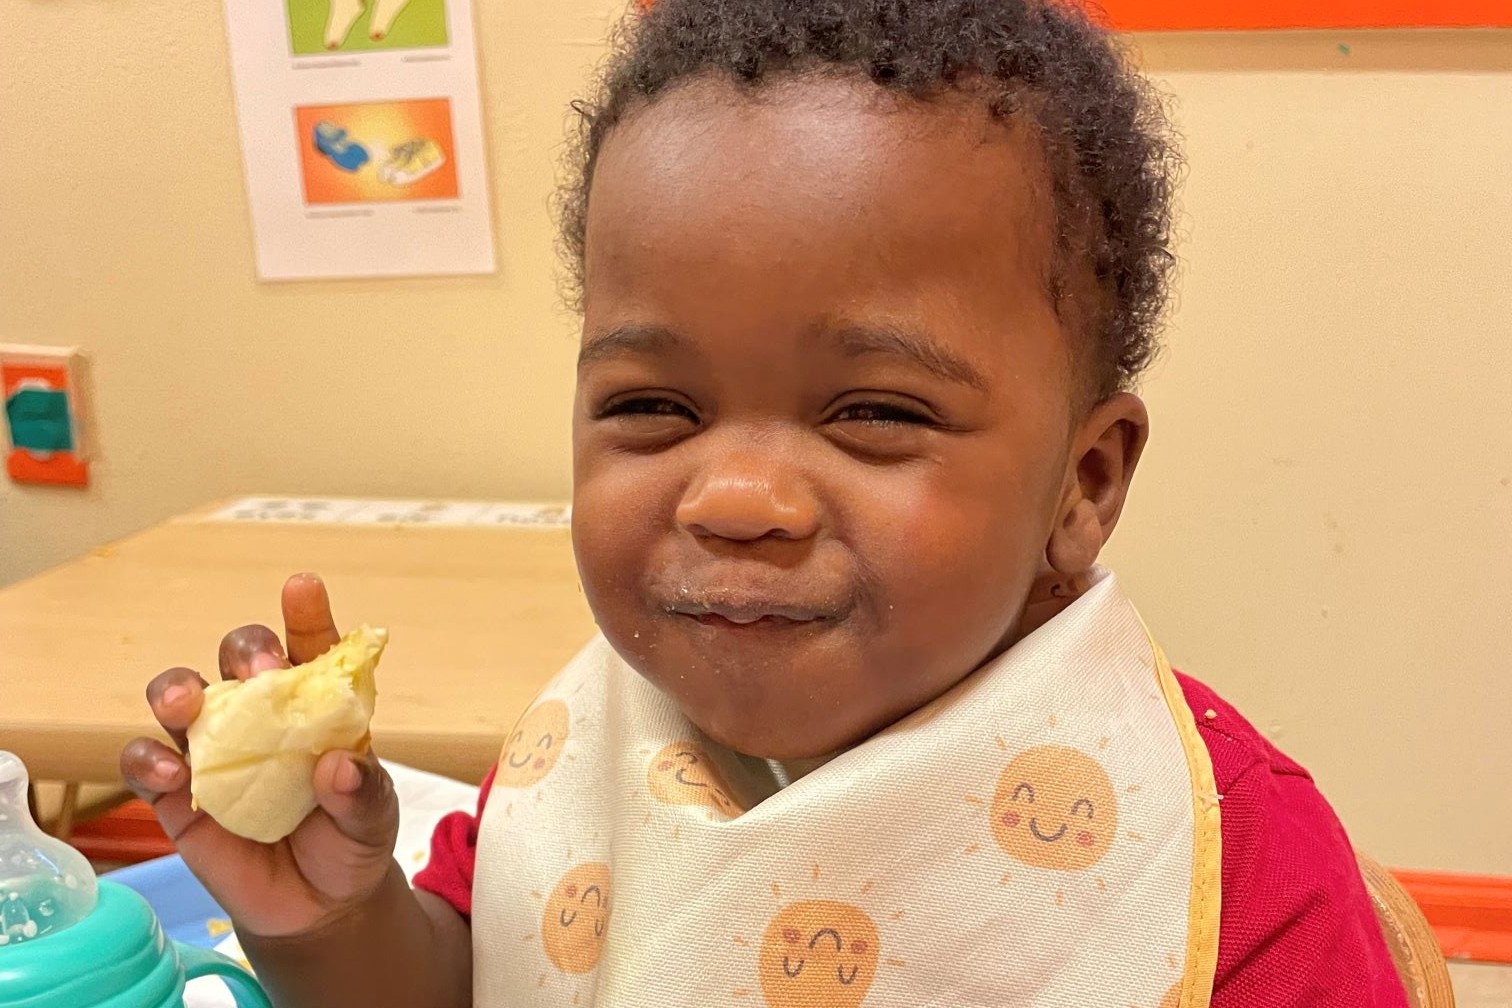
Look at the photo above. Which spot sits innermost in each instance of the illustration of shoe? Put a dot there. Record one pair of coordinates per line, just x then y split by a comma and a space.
339, 20
344, 152
411, 161
384, 13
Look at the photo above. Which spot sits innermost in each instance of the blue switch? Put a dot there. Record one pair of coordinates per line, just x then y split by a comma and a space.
38, 420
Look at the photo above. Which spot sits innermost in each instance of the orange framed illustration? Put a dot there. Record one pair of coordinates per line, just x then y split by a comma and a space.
1240, 15
375, 152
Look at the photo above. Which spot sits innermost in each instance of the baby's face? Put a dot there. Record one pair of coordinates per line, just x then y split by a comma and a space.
822, 431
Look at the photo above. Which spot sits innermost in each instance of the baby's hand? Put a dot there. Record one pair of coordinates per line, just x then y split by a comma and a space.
336, 857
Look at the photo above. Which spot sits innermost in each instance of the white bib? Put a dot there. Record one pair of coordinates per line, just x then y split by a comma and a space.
1045, 834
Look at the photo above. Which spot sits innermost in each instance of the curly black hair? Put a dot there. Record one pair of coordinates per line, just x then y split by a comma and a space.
1108, 146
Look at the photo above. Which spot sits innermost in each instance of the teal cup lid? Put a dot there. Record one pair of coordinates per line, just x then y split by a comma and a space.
117, 957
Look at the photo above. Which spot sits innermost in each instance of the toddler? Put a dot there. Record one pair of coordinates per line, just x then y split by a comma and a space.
866, 287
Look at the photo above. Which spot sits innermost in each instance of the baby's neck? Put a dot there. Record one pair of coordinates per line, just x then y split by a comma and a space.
785, 772
1047, 600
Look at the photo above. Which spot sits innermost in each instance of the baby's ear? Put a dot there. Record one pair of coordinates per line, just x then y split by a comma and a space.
1106, 450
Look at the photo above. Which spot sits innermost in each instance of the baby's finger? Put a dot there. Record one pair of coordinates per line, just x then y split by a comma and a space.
308, 623
151, 769
358, 795
248, 650
158, 776
175, 697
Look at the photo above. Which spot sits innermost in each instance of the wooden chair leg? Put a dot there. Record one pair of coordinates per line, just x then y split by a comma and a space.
62, 827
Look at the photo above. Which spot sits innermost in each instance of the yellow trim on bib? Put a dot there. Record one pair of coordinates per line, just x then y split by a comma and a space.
1207, 843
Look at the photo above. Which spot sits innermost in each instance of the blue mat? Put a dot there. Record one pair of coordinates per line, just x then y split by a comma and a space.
186, 911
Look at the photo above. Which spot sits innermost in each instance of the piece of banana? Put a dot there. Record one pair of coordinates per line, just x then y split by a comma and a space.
254, 746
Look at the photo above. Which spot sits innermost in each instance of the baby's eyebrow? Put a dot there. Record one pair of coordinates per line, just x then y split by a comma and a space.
921, 349
626, 339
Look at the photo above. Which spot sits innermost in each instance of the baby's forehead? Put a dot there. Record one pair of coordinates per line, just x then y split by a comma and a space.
844, 142
826, 201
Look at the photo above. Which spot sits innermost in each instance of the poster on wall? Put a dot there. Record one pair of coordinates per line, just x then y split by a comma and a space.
362, 137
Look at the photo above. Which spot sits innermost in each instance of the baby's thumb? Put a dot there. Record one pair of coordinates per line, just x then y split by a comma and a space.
358, 795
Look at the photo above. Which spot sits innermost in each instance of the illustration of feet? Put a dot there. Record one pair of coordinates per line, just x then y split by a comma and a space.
339, 20
384, 13
411, 161
344, 152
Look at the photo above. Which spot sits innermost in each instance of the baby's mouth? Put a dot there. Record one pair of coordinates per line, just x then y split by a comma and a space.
754, 613
743, 613
749, 599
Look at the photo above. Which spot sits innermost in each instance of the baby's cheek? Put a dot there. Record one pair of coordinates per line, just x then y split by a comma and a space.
951, 593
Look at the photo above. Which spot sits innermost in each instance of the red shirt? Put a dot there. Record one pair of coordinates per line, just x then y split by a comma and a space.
1297, 929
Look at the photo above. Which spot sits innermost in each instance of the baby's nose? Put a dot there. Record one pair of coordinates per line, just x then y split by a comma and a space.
742, 501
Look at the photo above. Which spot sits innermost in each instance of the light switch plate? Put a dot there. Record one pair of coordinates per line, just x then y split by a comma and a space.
42, 389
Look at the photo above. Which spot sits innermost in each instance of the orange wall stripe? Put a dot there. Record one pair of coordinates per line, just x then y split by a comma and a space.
1470, 914
1211, 15
1240, 15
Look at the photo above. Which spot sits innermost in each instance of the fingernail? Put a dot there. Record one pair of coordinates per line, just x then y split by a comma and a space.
173, 695
166, 768
265, 662
348, 777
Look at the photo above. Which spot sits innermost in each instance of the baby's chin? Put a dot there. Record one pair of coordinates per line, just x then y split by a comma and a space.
781, 696
782, 747
780, 730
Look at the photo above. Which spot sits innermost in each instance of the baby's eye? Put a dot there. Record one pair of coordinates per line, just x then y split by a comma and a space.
646, 406
882, 414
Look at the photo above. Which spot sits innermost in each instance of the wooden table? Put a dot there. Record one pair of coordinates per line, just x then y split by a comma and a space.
479, 617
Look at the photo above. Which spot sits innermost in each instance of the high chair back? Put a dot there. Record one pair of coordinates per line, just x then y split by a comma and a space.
1414, 949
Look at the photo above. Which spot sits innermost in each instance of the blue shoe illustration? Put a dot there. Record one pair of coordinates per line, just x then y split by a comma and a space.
344, 152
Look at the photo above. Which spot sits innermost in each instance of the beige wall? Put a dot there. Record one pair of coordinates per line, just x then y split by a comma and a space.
1323, 528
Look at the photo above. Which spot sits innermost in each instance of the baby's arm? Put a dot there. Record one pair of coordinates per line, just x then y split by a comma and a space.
400, 947
1297, 927
324, 913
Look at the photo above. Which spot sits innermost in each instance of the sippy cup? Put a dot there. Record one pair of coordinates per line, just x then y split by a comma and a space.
68, 941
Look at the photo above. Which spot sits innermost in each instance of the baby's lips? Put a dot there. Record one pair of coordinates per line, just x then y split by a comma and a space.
745, 590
